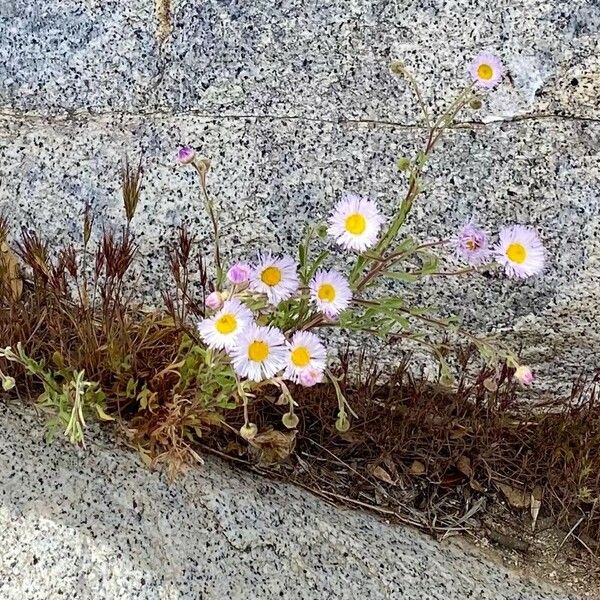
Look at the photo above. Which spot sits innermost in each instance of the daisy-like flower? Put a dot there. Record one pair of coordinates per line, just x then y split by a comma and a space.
275, 277
186, 155
472, 244
305, 353
355, 222
259, 353
486, 70
222, 329
331, 292
520, 251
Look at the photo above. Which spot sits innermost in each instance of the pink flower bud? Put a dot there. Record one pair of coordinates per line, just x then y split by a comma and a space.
524, 375
214, 300
239, 273
186, 155
310, 377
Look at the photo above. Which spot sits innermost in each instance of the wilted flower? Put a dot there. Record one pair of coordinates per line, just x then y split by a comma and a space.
259, 353
186, 155
305, 353
275, 277
486, 70
472, 244
355, 223
524, 375
520, 251
239, 273
331, 292
222, 329
214, 300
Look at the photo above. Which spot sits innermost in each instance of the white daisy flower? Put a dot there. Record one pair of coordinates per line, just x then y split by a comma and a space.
305, 353
331, 292
486, 70
221, 330
355, 222
520, 251
259, 353
275, 277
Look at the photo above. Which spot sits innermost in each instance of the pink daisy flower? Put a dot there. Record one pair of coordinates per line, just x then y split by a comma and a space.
472, 244
486, 70
520, 251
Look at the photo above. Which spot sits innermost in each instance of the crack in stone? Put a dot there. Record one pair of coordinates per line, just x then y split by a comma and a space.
90, 115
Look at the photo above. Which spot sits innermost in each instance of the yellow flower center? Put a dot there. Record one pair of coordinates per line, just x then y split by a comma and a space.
516, 253
258, 351
226, 324
471, 245
271, 276
356, 224
300, 356
484, 71
326, 292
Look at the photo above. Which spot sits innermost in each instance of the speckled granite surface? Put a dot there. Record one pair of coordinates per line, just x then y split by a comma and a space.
294, 103
96, 524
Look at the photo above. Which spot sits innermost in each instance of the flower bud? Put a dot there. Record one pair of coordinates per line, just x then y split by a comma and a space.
8, 383
342, 423
214, 300
186, 155
248, 431
310, 377
239, 273
524, 375
290, 420
476, 104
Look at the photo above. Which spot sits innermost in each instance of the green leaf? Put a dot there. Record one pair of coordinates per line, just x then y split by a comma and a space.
401, 276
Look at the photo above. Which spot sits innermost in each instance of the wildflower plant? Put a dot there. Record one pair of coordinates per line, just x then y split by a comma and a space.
228, 334
268, 316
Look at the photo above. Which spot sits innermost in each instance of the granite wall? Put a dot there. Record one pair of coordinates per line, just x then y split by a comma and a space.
294, 102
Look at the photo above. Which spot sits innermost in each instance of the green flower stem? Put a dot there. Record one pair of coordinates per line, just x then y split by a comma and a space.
202, 170
414, 187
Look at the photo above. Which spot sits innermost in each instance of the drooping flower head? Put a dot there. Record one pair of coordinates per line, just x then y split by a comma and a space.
275, 277
214, 300
259, 353
239, 273
186, 155
486, 70
310, 377
355, 223
222, 329
524, 375
472, 244
520, 251
331, 293
305, 353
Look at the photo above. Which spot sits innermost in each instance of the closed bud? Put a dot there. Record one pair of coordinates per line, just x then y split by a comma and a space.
524, 375
342, 424
249, 431
214, 300
476, 103
8, 383
290, 420
186, 155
